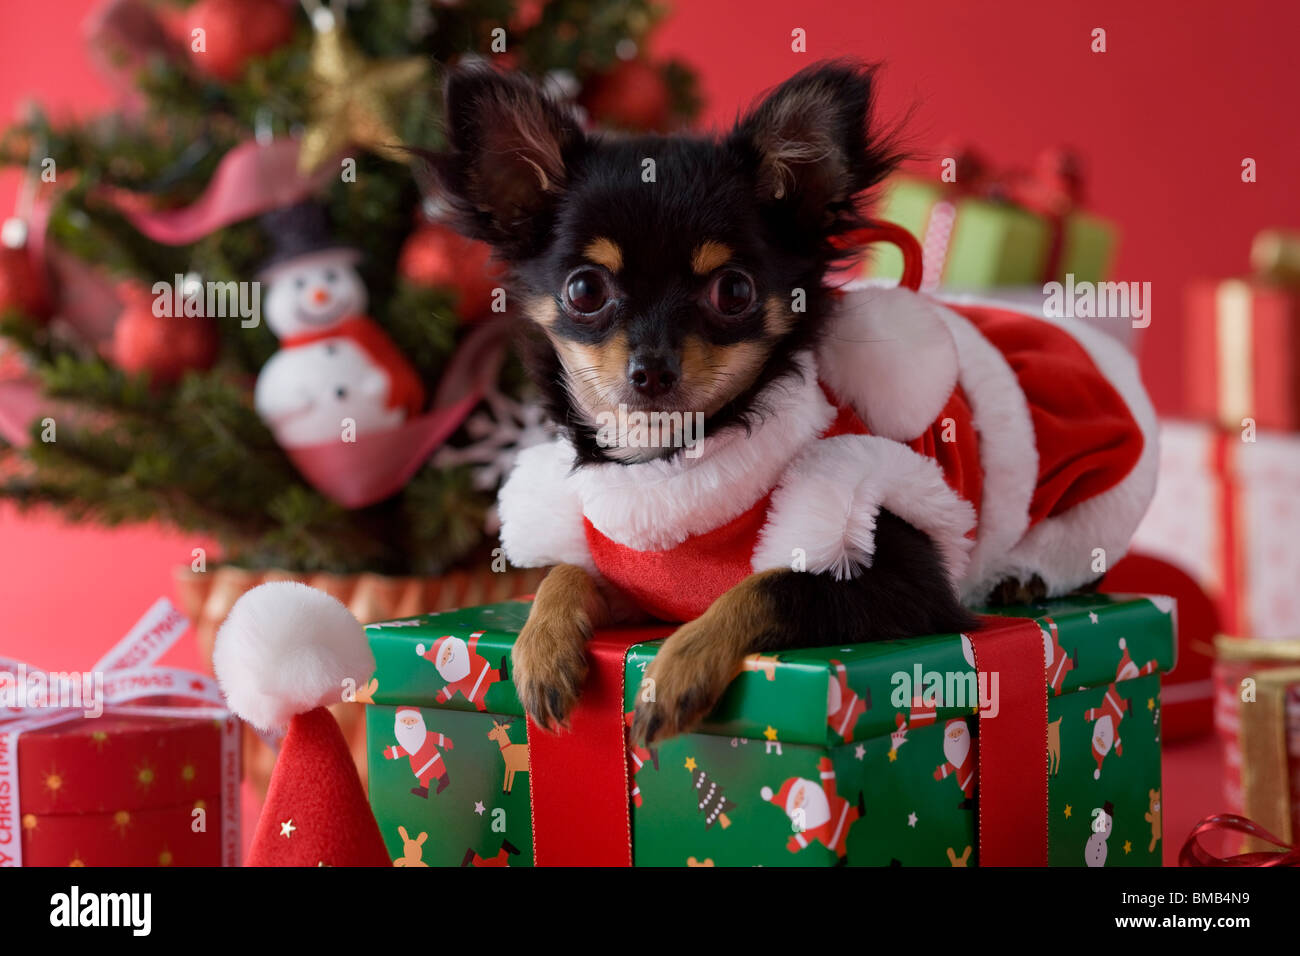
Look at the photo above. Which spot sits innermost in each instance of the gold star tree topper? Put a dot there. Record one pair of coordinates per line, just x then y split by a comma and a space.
352, 96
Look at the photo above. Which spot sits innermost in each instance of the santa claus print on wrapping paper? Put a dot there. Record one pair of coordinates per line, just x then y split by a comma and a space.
421, 746
1105, 729
1113, 708
636, 759
843, 705
817, 812
961, 758
335, 365
1058, 663
466, 671
502, 857
925, 706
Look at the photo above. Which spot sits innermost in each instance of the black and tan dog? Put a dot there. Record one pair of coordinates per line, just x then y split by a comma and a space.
680, 281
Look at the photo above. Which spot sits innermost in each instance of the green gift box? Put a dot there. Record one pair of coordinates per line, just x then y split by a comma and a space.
975, 242
864, 754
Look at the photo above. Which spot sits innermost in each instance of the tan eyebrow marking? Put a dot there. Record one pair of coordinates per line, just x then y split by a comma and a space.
708, 256
605, 252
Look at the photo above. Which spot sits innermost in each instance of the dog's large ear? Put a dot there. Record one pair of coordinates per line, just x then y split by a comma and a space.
812, 145
509, 150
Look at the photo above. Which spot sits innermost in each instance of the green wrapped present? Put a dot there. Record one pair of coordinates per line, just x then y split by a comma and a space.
980, 234
866, 754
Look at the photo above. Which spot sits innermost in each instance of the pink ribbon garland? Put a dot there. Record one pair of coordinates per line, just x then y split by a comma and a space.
128, 678
250, 179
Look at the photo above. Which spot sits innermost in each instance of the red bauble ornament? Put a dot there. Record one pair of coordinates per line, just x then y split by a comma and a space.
631, 96
234, 32
21, 286
166, 346
437, 256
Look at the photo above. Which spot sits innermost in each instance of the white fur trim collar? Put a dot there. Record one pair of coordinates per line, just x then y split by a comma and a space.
656, 505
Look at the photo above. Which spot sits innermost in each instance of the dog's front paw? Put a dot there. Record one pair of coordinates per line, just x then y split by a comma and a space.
682, 685
549, 666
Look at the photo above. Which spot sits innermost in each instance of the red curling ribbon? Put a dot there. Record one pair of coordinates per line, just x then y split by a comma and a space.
888, 232
1194, 854
577, 778
1013, 771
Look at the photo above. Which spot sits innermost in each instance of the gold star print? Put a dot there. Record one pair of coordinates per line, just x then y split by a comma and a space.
770, 733
1128, 846
76, 860
1151, 703
352, 96
893, 755
165, 857
690, 764
144, 777
188, 773
53, 781
1067, 811
29, 822
121, 821
99, 738
287, 828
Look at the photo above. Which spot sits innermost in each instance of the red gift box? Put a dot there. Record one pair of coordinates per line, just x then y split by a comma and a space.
128, 764
1243, 353
122, 790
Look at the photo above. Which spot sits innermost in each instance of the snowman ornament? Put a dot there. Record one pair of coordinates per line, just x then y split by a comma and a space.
337, 374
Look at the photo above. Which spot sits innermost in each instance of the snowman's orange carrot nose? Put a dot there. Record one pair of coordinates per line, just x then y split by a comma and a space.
320, 296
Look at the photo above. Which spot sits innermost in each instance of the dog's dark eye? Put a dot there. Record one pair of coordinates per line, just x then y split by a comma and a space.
731, 293
585, 293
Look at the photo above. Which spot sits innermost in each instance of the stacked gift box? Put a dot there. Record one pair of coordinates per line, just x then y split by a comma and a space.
980, 229
867, 754
1227, 510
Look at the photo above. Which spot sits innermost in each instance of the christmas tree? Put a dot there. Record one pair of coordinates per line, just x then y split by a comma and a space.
252, 130
713, 803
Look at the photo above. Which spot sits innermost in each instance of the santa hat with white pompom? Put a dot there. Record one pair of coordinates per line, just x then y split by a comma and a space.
284, 653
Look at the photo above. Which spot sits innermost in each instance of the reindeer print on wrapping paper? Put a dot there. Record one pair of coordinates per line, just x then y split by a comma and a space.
515, 755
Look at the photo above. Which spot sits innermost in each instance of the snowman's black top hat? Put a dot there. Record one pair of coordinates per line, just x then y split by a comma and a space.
299, 230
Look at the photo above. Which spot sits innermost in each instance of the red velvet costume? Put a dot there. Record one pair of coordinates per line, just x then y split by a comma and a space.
1019, 444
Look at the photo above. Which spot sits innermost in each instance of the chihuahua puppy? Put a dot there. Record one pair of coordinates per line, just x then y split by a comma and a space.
676, 286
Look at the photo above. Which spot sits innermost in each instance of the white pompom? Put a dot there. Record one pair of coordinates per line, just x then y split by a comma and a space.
1122, 644
285, 649
766, 793
419, 650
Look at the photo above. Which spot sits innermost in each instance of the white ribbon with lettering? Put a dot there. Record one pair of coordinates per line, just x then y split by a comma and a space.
128, 676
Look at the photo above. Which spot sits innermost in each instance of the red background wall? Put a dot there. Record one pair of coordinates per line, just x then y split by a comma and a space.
1164, 118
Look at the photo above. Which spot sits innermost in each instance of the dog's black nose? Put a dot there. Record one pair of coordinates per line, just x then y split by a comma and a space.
653, 375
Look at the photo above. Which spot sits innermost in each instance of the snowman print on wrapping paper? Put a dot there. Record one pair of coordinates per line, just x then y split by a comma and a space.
335, 368
1097, 847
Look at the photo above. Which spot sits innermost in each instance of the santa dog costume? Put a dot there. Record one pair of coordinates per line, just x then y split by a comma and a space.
1020, 444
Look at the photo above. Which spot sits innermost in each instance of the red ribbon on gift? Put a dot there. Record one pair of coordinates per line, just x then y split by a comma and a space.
1194, 854
578, 780
1012, 755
